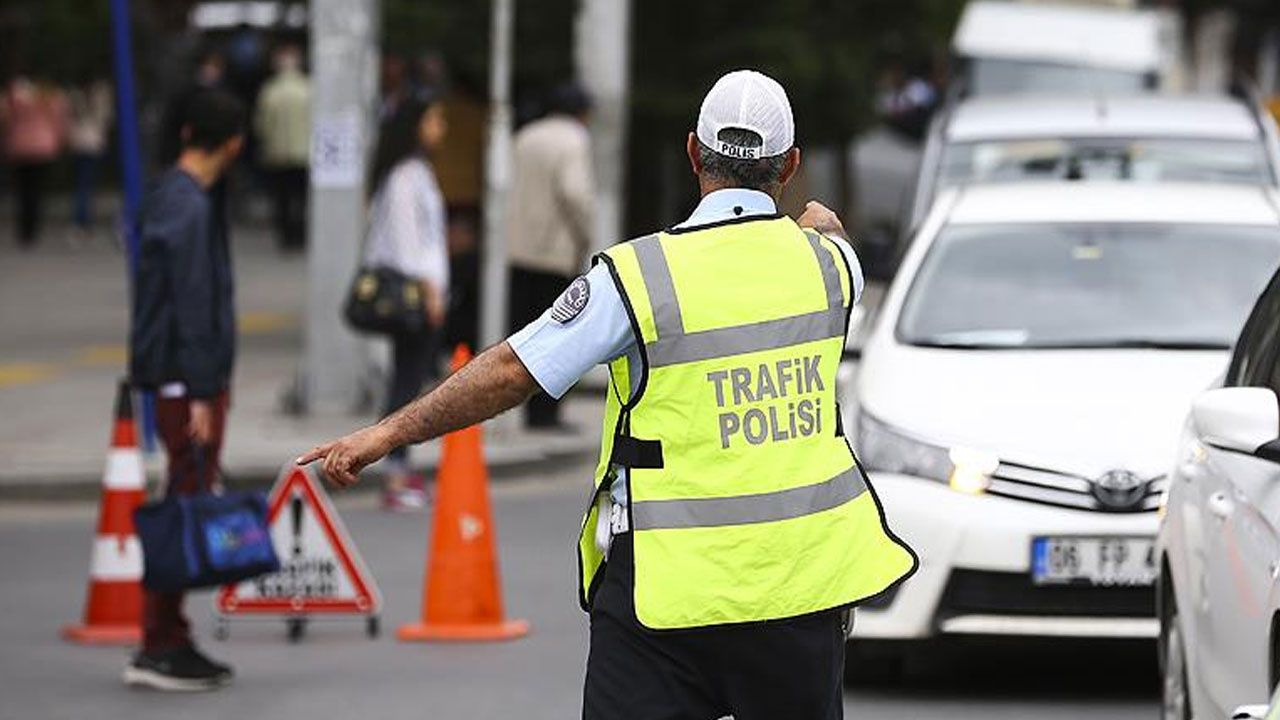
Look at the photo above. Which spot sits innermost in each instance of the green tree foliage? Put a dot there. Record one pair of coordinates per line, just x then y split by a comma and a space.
826, 53
61, 40
459, 30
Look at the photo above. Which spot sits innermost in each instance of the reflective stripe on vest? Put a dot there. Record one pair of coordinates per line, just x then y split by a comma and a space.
675, 346
745, 509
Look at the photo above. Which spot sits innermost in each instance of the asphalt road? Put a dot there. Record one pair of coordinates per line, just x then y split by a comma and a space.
336, 672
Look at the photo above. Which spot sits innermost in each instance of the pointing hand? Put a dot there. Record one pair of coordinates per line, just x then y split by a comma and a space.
346, 457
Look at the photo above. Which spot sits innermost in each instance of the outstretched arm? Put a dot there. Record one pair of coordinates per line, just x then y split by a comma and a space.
492, 383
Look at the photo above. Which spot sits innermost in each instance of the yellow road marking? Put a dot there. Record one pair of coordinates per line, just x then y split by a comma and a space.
25, 373
103, 355
261, 323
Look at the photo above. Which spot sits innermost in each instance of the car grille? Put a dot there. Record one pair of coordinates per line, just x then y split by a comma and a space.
971, 592
1048, 487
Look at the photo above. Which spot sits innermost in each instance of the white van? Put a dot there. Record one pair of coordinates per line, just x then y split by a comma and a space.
1010, 47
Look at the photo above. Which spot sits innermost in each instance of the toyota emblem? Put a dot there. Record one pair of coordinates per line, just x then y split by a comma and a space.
1119, 490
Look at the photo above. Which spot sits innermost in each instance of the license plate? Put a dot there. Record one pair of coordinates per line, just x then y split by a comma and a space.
1105, 561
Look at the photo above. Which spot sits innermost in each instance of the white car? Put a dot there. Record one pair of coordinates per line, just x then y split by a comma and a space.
1021, 394
1219, 541
1259, 712
1220, 139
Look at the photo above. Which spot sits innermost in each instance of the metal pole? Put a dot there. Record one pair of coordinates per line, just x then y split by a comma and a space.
602, 54
127, 126
343, 59
493, 310
130, 168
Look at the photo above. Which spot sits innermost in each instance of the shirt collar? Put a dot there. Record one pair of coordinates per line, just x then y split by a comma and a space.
727, 204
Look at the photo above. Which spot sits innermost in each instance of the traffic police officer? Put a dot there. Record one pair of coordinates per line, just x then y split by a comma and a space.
730, 527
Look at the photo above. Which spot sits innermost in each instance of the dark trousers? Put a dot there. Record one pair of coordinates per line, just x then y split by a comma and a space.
413, 364
761, 671
289, 193
28, 181
164, 626
85, 166
532, 292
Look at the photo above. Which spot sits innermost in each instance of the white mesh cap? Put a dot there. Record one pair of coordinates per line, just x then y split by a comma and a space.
747, 100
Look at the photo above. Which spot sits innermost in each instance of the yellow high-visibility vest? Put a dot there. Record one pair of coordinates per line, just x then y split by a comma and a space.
746, 501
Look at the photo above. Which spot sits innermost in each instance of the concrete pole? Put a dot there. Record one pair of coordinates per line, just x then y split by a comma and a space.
344, 49
497, 176
602, 55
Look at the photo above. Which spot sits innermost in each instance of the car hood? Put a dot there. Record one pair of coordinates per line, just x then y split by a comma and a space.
1076, 411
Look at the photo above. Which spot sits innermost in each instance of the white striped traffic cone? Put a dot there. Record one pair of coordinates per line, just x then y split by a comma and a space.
113, 610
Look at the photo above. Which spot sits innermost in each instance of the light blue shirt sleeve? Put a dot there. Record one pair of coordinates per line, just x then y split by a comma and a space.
855, 267
556, 354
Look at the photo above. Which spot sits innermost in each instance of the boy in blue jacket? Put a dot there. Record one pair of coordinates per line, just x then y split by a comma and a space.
182, 346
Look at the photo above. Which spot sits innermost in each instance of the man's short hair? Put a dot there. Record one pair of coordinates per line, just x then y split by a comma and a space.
212, 118
763, 174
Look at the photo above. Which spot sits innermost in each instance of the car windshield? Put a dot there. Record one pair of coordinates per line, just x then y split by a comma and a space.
1172, 159
991, 76
1083, 285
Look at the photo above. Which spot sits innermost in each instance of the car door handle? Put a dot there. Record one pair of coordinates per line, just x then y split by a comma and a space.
1221, 505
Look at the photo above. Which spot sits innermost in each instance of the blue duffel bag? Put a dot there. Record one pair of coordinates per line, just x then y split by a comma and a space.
204, 540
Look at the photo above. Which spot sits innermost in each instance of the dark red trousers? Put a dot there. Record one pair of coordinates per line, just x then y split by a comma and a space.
164, 626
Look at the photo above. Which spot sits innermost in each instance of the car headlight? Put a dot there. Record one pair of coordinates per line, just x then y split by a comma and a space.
886, 449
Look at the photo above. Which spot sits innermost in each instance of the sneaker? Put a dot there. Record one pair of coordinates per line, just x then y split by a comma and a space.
223, 670
177, 670
406, 497
418, 483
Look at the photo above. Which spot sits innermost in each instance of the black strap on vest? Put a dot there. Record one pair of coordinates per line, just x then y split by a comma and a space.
632, 452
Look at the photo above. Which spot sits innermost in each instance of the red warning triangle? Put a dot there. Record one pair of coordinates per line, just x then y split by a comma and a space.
321, 570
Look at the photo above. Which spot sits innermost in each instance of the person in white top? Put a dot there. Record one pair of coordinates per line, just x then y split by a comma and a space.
91, 111
407, 234
550, 218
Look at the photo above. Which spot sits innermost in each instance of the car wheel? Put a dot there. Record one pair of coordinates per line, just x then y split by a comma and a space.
1175, 703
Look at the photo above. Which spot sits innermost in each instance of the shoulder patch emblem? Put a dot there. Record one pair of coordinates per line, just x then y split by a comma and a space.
572, 301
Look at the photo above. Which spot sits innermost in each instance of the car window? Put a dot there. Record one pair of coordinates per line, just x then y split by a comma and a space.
1077, 285
1256, 361
1157, 159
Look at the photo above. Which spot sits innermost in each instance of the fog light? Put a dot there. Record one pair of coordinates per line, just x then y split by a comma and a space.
972, 470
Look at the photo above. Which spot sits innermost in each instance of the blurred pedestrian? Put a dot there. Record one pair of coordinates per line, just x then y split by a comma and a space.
729, 529
34, 117
283, 122
407, 233
394, 85
91, 110
182, 346
550, 223
905, 100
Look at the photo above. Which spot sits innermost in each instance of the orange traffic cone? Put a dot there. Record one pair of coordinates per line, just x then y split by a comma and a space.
461, 598
113, 611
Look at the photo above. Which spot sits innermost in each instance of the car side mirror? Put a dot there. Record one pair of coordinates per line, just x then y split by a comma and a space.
1249, 712
1243, 419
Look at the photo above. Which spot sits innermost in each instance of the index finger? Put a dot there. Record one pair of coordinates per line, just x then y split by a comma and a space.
314, 454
